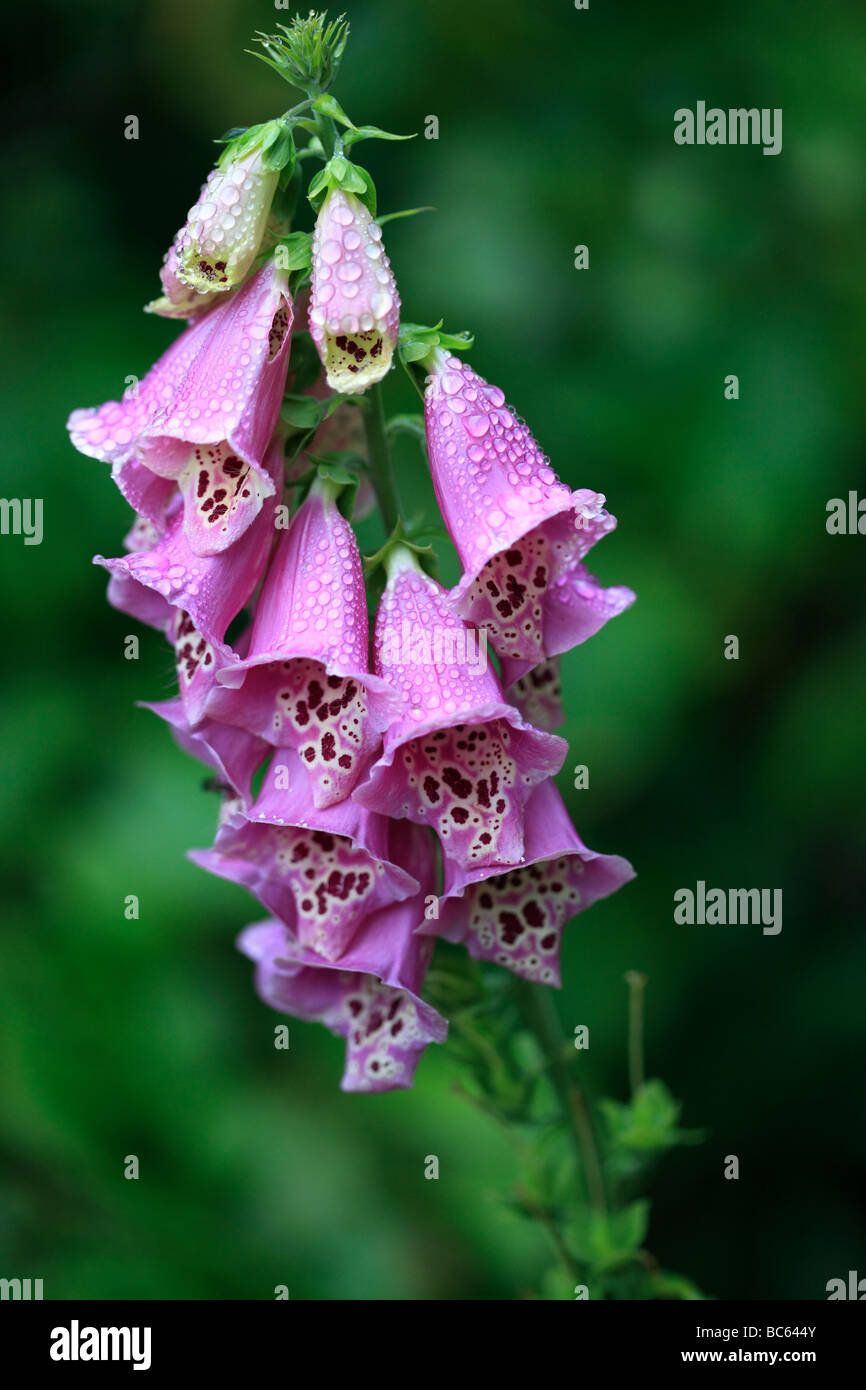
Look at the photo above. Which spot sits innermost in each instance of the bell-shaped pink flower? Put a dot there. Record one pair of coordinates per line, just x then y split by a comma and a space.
371, 995
192, 598
354, 305
162, 574
204, 415
305, 683
537, 694
515, 916
520, 533
322, 872
458, 757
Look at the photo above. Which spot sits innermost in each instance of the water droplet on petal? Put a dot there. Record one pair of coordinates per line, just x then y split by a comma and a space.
477, 426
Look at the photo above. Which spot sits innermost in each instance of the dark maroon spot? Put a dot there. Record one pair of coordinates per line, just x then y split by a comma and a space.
533, 914
512, 927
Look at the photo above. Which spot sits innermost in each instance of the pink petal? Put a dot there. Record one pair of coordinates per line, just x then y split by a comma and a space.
520, 533
515, 916
321, 871
458, 758
305, 683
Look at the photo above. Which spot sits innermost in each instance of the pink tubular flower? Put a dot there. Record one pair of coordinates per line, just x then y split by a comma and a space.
458, 757
305, 682
322, 872
371, 995
515, 916
520, 533
163, 573
537, 694
203, 417
354, 305
192, 598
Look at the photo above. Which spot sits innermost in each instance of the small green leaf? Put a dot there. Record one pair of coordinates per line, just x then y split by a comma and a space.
329, 106
407, 212
649, 1122
297, 253
606, 1240
629, 1227
371, 132
301, 412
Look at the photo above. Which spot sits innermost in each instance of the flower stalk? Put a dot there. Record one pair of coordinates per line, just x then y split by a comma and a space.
351, 771
381, 463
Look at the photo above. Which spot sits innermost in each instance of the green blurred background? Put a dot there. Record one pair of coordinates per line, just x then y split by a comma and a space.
145, 1037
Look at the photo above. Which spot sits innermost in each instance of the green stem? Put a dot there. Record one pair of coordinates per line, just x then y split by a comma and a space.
531, 1207
541, 1018
636, 985
381, 466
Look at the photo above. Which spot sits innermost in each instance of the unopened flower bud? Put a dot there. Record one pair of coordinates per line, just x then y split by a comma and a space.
354, 305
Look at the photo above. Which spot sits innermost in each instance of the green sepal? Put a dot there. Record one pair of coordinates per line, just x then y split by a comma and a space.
275, 139
332, 471
343, 482
398, 536
416, 341
341, 173
278, 150
231, 135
